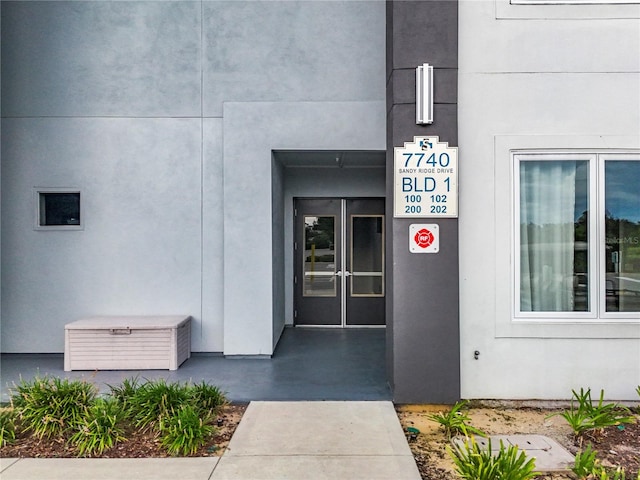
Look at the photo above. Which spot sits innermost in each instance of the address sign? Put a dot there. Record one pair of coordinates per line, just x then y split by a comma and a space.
426, 179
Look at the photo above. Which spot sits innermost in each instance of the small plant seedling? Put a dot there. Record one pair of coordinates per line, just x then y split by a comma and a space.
588, 467
456, 421
584, 463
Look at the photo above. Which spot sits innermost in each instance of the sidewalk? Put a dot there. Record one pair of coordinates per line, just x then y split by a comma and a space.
275, 440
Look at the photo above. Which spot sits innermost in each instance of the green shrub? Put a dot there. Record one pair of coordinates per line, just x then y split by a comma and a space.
456, 421
208, 399
474, 463
124, 392
185, 430
153, 401
51, 406
181, 414
589, 417
7, 426
101, 429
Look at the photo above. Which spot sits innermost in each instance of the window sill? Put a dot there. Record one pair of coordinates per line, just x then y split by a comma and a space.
41, 228
562, 328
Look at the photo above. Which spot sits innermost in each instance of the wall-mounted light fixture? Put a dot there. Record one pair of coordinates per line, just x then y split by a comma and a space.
424, 94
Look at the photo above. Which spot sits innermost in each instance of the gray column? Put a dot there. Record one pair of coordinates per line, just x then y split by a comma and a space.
423, 350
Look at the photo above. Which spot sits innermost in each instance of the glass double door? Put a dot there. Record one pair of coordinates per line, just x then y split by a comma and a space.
339, 262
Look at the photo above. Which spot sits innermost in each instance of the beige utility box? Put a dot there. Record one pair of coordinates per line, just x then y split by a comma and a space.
127, 343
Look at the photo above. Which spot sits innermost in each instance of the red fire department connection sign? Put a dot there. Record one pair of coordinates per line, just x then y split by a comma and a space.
424, 238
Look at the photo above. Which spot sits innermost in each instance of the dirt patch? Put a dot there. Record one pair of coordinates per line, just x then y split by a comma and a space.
137, 445
615, 446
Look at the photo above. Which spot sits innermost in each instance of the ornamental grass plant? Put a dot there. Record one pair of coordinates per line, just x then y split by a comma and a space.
153, 401
473, 462
588, 467
207, 398
185, 430
7, 426
585, 416
183, 415
51, 406
149, 403
180, 415
456, 421
101, 428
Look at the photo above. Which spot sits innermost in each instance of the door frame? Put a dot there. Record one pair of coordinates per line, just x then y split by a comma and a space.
343, 265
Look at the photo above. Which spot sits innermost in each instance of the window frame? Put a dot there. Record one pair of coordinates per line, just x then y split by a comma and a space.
602, 311
574, 2
38, 191
518, 158
596, 236
568, 10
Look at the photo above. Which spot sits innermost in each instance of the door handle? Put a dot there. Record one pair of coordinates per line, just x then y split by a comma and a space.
346, 273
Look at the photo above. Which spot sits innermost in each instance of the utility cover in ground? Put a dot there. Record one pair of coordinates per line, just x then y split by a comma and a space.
549, 455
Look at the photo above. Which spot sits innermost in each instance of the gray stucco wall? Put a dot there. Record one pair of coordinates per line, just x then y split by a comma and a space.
251, 132
422, 307
127, 101
140, 248
278, 249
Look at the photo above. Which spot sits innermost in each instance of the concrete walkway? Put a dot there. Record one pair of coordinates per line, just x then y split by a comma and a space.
275, 440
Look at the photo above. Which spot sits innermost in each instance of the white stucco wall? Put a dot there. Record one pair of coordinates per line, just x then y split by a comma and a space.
529, 82
125, 100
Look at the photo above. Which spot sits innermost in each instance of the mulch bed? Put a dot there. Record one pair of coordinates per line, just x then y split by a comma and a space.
138, 444
616, 446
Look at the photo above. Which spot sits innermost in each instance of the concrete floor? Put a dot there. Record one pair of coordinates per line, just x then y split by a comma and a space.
308, 364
